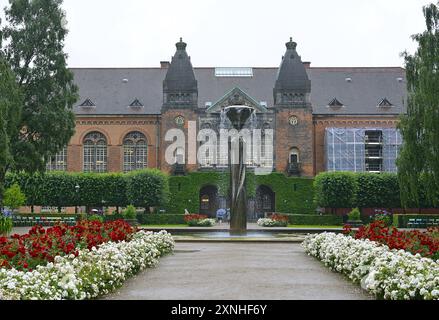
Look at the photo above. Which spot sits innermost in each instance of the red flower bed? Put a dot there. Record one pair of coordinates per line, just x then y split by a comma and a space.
424, 243
279, 217
41, 246
194, 217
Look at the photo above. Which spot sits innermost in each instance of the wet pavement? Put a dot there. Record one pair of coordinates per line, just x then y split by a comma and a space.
239, 271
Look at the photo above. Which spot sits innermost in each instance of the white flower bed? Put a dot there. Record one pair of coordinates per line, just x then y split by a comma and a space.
93, 273
388, 274
266, 222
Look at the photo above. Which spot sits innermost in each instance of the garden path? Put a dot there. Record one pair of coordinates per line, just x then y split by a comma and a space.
236, 271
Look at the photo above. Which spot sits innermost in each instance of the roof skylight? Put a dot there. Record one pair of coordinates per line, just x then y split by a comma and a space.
234, 72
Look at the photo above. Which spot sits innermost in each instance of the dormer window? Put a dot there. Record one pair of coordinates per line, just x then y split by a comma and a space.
385, 104
335, 104
136, 104
87, 104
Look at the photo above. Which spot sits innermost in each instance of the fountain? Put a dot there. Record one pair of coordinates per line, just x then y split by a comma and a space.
238, 116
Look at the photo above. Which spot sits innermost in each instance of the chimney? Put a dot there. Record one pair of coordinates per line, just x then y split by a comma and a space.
307, 64
164, 64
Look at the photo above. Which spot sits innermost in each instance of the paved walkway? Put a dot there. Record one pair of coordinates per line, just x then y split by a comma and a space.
204, 271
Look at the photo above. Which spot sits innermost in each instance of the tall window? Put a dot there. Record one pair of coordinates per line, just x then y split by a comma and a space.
294, 156
135, 152
95, 152
58, 162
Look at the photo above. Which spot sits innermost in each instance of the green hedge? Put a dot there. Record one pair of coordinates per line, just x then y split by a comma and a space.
362, 190
144, 188
315, 220
185, 190
160, 219
293, 195
335, 189
401, 220
147, 188
377, 190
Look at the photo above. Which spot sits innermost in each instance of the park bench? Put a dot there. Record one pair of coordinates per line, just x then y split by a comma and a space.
422, 223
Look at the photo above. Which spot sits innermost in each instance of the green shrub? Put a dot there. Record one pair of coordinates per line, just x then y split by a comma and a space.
114, 217
147, 188
316, 220
335, 189
130, 212
377, 190
6, 225
14, 198
96, 217
160, 219
354, 215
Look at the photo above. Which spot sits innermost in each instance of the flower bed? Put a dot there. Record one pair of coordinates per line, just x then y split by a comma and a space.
199, 220
388, 274
424, 243
41, 246
275, 220
88, 273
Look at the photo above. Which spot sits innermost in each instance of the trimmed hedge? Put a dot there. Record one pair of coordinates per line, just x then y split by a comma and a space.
362, 190
401, 220
160, 219
185, 190
293, 195
147, 188
316, 220
335, 189
144, 188
377, 190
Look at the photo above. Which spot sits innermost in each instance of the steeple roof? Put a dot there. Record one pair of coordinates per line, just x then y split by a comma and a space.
292, 76
180, 76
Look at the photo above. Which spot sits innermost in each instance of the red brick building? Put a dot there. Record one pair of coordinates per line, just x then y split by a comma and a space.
124, 114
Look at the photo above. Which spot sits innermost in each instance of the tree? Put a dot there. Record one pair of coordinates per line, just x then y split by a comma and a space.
10, 112
14, 198
34, 41
418, 163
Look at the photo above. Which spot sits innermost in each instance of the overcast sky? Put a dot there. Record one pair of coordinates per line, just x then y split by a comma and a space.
226, 33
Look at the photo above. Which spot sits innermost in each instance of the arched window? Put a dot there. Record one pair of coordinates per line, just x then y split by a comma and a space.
95, 152
58, 162
135, 152
294, 156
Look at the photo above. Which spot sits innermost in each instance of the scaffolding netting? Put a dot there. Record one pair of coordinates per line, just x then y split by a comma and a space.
362, 149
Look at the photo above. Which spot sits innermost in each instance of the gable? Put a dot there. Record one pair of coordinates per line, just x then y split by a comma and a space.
236, 97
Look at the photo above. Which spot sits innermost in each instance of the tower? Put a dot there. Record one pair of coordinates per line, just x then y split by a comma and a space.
294, 121
180, 103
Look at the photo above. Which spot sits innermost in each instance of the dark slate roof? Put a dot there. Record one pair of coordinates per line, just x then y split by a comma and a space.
180, 76
292, 75
360, 89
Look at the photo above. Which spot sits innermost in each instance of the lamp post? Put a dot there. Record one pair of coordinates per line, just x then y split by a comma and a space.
77, 192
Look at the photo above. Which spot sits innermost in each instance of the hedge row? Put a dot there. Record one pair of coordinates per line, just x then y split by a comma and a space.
362, 190
315, 220
143, 188
159, 219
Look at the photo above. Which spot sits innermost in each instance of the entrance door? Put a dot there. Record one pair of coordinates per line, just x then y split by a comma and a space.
265, 201
209, 201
